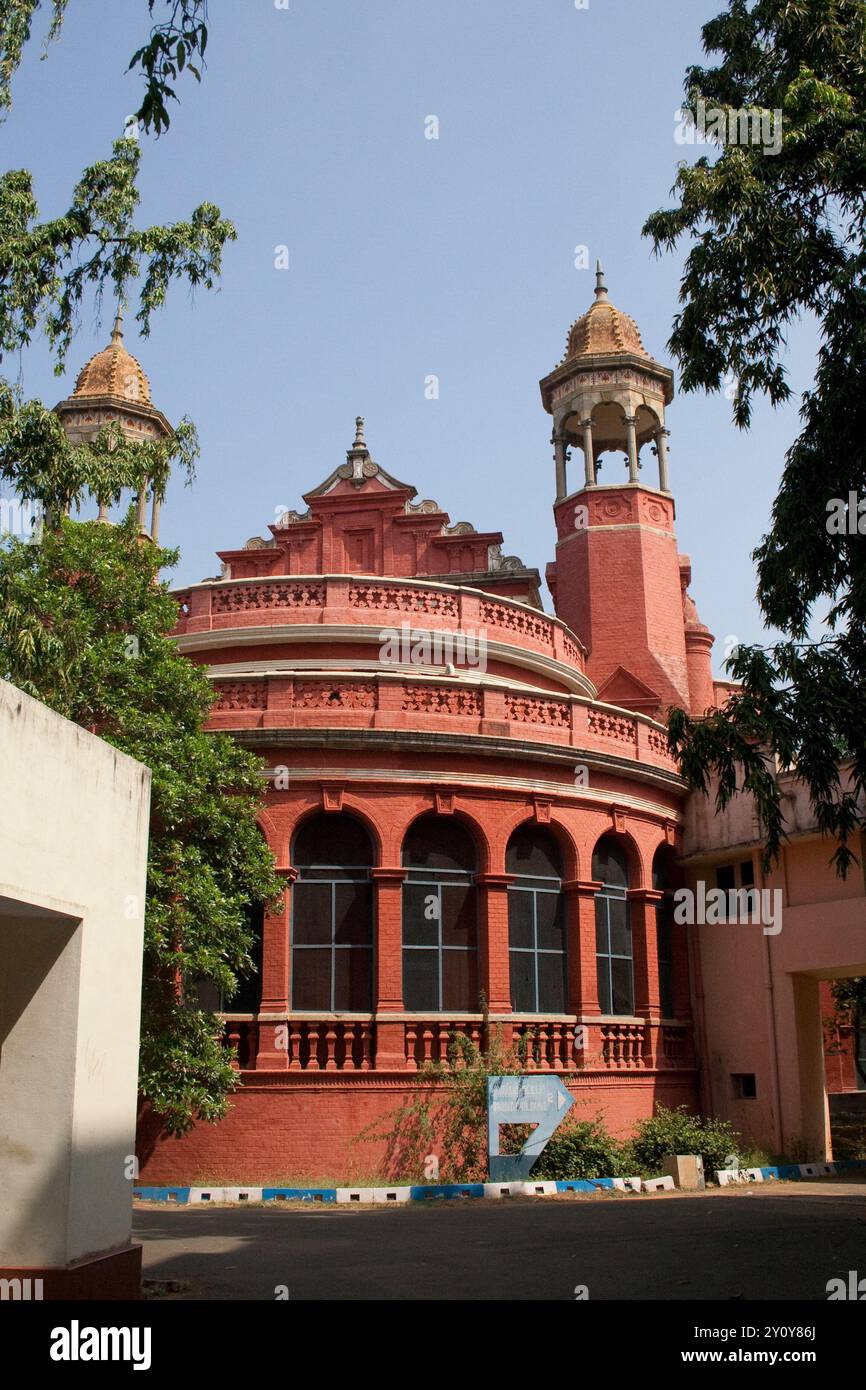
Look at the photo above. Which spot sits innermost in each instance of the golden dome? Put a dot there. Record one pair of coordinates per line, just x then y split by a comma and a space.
604, 329
114, 372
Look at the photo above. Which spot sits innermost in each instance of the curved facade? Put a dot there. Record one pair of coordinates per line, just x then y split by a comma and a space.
470, 835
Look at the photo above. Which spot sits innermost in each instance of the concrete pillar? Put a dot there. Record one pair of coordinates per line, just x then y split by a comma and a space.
154, 519
812, 1123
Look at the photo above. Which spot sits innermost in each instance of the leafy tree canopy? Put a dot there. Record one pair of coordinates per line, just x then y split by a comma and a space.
773, 238
84, 617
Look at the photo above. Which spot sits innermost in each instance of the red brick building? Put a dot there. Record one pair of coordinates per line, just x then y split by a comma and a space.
468, 798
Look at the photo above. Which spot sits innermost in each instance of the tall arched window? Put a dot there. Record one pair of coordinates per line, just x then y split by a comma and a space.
440, 954
613, 943
664, 934
332, 917
536, 922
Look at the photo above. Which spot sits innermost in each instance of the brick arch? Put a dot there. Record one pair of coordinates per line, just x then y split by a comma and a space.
467, 820
560, 832
349, 808
632, 850
273, 835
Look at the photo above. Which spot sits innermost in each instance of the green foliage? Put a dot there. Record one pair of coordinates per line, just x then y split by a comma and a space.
171, 46
581, 1149
447, 1114
678, 1132
84, 627
38, 460
774, 238
47, 267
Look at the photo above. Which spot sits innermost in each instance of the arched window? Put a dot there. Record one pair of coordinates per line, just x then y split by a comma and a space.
536, 922
664, 934
332, 917
613, 943
440, 955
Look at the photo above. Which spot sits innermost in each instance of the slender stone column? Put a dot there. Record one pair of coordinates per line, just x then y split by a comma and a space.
588, 453
631, 426
559, 456
154, 519
662, 446
142, 506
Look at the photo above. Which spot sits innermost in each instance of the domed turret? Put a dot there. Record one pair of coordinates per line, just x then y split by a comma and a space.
112, 389
607, 395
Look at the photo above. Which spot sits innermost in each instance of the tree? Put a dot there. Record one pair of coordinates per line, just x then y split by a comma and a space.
84, 626
774, 237
84, 617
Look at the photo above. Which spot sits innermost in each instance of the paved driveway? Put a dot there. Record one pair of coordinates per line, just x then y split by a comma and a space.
776, 1243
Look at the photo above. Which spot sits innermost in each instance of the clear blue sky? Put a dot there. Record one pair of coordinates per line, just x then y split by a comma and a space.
408, 257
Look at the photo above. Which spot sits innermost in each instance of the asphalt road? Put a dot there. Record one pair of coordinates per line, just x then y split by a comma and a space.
776, 1244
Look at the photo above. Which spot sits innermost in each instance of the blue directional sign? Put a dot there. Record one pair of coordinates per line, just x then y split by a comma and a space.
542, 1101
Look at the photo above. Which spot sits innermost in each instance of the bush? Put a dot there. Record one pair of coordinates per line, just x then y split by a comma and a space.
678, 1132
580, 1149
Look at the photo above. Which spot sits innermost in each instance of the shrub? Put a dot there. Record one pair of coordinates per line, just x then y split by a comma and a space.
678, 1132
580, 1149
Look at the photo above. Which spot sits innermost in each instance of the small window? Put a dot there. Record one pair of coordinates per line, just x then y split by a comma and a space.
745, 1085
747, 874
725, 877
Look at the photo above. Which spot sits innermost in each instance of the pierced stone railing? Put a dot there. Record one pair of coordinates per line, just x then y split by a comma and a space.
549, 1046
428, 1041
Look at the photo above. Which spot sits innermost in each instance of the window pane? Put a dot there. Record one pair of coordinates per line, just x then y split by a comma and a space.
420, 914
311, 980
601, 936
725, 877
311, 914
609, 864
602, 966
551, 984
353, 979
522, 981
353, 914
623, 995
459, 987
520, 932
620, 927
549, 921
458, 915
421, 981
